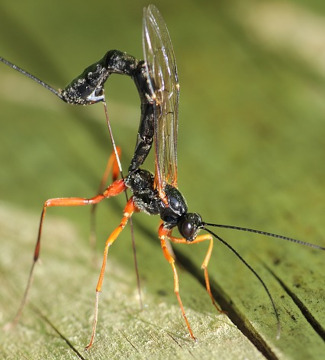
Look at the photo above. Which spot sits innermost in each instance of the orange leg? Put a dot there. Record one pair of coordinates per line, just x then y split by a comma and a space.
111, 166
205, 263
166, 234
163, 235
116, 188
129, 209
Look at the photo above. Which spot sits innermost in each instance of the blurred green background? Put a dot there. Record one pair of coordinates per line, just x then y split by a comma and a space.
251, 125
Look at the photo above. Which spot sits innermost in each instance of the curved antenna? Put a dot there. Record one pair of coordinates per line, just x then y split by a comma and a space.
265, 233
29, 75
256, 275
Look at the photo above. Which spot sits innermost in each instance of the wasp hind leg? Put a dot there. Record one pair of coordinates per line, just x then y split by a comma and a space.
116, 188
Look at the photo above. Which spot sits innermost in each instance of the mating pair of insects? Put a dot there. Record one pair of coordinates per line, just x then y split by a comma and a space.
157, 83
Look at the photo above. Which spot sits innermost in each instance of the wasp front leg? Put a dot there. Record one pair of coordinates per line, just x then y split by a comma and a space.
167, 234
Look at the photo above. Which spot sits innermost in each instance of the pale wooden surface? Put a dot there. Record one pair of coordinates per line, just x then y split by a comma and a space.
63, 295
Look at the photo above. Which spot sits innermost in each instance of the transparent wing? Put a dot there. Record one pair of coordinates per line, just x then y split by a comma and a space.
163, 84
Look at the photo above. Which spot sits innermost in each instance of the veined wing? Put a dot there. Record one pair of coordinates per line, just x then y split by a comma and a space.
163, 84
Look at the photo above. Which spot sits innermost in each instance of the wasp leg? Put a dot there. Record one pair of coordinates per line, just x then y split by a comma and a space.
111, 167
204, 266
129, 209
164, 234
116, 188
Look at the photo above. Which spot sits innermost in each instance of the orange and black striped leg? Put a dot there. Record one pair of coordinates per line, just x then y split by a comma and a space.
111, 167
204, 266
116, 188
129, 209
164, 234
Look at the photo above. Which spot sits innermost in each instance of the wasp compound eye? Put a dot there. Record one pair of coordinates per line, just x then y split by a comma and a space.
189, 225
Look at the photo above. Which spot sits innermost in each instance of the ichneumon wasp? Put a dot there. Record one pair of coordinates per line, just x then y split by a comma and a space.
157, 83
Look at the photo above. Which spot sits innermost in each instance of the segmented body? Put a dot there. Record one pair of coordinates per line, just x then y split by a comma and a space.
88, 88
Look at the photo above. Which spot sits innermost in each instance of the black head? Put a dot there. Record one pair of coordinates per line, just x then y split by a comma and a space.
189, 225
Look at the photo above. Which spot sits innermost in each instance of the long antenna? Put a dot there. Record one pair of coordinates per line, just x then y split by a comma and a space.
255, 273
29, 75
265, 233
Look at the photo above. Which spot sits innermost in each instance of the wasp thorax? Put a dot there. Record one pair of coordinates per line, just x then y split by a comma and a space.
176, 207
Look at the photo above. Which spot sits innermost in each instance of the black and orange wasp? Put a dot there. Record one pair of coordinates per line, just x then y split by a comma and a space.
157, 82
